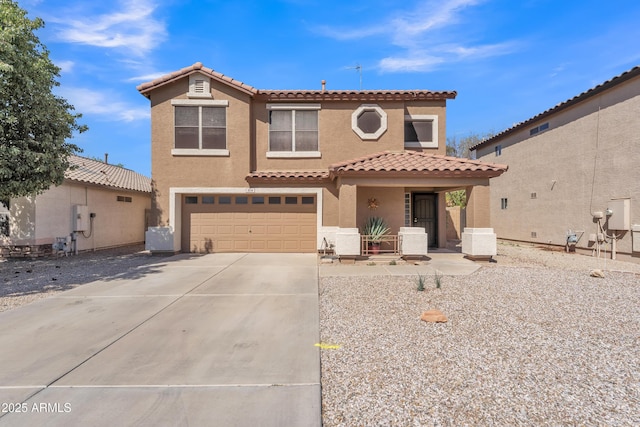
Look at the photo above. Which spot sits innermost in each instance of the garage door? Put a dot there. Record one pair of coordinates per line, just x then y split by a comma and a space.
241, 223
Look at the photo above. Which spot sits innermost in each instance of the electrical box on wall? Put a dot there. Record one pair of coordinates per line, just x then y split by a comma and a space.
620, 214
80, 218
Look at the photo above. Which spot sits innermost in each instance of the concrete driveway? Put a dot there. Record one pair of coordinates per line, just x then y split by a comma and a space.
220, 339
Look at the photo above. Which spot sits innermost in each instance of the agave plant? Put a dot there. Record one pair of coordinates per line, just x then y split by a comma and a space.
375, 228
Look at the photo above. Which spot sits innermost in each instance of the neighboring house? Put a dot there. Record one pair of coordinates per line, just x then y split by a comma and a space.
241, 169
567, 166
98, 205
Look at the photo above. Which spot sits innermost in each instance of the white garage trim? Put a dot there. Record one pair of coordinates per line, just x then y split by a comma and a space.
175, 203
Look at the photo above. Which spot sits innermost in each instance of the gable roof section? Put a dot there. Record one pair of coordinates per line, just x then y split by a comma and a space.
145, 88
627, 75
298, 95
412, 163
95, 172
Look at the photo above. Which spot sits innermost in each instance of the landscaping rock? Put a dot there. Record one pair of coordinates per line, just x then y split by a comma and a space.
434, 316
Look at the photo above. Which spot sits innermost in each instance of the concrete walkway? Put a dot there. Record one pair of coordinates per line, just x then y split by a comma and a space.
444, 262
221, 339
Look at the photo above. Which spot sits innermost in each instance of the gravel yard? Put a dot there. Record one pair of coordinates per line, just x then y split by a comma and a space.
531, 340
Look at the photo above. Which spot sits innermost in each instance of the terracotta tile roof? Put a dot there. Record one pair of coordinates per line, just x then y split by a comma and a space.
416, 163
634, 72
144, 88
354, 95
305, 95
96, 172
315, 175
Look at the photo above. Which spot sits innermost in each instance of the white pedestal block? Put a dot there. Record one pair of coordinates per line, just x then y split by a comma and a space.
479, 242
327, 238
414, 241
159, 239
347, 242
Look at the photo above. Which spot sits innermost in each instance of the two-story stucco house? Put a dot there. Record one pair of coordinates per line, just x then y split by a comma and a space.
574, 175
241, 169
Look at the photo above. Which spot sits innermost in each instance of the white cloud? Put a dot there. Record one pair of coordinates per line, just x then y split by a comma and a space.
88, 101
147, 77
132, 27
418, 61
417, 33
65, 66
427, 60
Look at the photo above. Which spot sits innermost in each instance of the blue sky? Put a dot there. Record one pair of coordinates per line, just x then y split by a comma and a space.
508, 60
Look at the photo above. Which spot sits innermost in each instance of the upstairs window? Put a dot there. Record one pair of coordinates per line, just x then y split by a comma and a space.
200, 127
421, 131
293, 131
369, 121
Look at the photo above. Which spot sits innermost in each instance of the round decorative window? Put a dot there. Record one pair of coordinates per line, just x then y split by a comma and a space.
369, 121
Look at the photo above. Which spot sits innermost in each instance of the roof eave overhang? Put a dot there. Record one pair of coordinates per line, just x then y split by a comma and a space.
416, 174
268, 96
105, 186
146, 90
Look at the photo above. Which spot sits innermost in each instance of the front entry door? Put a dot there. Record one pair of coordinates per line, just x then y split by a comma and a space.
425, 214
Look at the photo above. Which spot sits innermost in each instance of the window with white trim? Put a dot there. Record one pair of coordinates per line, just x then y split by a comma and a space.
421, 131
200, 127
293, 130
369, 121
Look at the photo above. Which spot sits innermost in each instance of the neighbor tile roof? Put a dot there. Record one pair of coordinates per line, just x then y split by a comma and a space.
416, 163
299, 95
195, 68
634, 72
99, 173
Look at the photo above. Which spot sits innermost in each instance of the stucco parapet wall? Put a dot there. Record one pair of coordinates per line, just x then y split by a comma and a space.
479, 242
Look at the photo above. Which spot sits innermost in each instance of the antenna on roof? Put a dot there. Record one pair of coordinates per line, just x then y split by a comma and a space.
358, 67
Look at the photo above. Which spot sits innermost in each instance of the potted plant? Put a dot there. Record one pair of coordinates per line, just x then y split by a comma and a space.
375, 228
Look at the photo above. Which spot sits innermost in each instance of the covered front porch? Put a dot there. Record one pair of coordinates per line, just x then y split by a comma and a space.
407, 191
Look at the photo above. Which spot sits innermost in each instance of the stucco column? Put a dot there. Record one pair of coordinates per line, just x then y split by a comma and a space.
442, 219
347, 206
478, 207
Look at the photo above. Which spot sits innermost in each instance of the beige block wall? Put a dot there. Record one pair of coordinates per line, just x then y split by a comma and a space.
39, 221
589, 155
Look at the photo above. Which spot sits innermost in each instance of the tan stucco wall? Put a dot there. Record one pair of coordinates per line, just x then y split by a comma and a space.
39, 221
588, 156
390, 206
197, 171
337, 140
